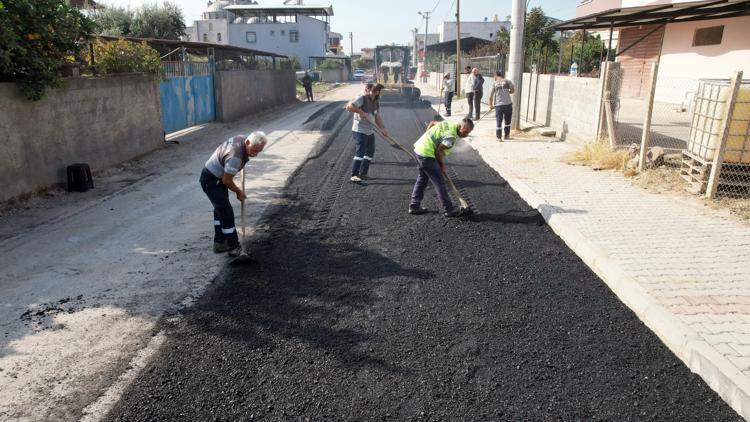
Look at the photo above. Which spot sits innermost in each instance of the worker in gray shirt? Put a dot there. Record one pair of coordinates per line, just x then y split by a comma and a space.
366, 110
217, 179
501, 101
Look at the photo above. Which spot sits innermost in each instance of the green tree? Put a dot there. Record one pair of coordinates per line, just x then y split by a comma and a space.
330, 64
111, 20
502, 40
593, 49
541, 46
123, 56
537, 35
37, 38
292, 63
154, 21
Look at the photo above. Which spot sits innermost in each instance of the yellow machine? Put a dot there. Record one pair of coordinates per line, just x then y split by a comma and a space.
391, 67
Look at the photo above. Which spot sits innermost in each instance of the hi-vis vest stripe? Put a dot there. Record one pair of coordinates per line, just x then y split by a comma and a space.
428, 143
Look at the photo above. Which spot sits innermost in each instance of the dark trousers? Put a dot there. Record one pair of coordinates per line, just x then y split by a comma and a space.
309, 93
470, 100
477, 98
503, 113
218, 194
429, 169
363, 154
448, 101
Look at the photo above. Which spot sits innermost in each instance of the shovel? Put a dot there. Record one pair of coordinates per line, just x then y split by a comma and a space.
244, 258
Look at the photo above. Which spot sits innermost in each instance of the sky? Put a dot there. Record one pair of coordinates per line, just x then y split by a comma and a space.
392, 20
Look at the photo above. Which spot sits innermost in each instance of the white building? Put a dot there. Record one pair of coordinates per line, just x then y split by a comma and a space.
486, 30
690, 40
298, 30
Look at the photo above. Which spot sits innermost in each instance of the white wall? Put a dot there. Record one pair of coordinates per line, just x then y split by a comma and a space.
483, 30
211, 29
313, 37
681, 64
637, 3
567, 104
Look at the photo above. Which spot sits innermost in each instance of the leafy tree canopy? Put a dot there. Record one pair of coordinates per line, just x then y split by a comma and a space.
36, 38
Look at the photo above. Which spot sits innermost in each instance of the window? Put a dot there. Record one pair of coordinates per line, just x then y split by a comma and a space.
283, 32
273, 32
293, 36
218, 37
708, 36
251, 37
210, 26
205, 37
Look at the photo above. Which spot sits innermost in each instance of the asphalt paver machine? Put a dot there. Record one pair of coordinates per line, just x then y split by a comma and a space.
391, 70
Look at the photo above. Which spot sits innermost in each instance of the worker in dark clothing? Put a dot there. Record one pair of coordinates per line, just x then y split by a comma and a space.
307, 82
217, 179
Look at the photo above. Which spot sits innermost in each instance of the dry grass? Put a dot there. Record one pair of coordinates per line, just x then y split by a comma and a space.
599, 157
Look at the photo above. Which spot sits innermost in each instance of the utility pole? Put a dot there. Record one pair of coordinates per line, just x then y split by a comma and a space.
456, 76
351, 45
515, 68
426, 16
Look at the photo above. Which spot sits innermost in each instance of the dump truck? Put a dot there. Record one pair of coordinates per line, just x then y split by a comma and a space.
391, 70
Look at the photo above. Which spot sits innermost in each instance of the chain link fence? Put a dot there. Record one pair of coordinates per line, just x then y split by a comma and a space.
670, 110
487, 65
702, 124
717, 157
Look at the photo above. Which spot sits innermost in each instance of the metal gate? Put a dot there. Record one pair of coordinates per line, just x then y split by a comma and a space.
187, 95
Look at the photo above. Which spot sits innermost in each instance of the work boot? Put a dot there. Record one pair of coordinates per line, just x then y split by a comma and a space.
220, 247
417, 210
234, 251
451, 214
355, 179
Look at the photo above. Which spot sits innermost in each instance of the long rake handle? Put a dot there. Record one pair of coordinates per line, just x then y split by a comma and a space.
452, 185
461, 199
242, 209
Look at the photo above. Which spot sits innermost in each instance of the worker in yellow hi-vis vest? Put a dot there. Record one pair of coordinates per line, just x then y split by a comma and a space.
431, 150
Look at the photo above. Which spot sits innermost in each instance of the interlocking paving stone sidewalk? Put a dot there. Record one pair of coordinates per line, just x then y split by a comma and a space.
684, 269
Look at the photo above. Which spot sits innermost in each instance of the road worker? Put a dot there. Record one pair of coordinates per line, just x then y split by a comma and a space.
217, 179
431, 149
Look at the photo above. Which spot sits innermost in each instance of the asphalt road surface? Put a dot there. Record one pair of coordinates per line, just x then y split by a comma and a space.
358, 311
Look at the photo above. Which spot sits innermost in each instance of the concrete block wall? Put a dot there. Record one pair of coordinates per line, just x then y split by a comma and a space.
100, 121
239, 92
567, 104
334, 75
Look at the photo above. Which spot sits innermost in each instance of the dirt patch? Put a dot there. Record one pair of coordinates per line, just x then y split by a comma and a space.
666, 179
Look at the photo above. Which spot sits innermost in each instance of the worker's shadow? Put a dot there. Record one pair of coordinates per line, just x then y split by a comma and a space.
304, 278
530, 217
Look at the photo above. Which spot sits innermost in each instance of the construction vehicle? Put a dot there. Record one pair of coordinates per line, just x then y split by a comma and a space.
391, 70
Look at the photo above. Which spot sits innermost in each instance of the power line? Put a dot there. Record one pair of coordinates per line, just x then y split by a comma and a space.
436, 6
450, 9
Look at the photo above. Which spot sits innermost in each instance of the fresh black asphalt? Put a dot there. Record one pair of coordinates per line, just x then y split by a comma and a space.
358, 311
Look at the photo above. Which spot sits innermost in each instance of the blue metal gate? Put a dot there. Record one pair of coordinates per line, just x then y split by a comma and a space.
187, 95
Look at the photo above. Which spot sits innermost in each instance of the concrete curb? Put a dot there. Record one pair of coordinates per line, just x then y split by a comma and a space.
718, 372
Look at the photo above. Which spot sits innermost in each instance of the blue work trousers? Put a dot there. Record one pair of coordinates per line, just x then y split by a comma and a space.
363, 154
503, 112
218, 194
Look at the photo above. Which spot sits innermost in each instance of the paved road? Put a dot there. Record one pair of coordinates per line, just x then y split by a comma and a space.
359, 311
